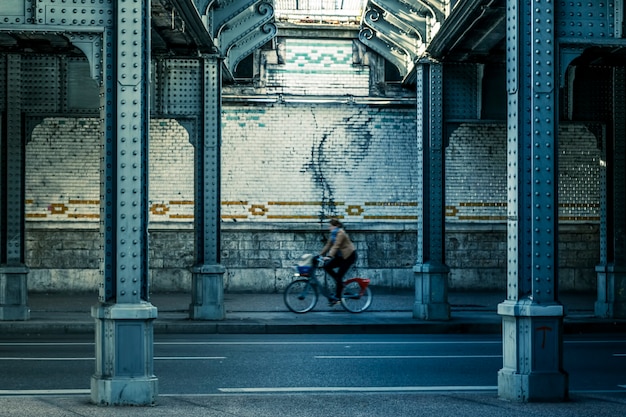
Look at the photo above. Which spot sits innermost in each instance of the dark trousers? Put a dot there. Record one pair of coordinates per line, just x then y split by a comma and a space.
337, 268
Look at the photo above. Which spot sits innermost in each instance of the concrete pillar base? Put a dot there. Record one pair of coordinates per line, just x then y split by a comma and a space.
532, 345
14, 293
431, 292
124, 391
539, 387
124, 355
611, 284
431, 311
207, 297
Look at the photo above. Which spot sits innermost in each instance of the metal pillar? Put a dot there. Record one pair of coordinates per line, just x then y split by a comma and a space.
207, 301
431, 272
532, 317
611, 273
13, 271
124, 316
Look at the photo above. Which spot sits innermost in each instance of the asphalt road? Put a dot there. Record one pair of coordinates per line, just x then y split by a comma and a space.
301, 364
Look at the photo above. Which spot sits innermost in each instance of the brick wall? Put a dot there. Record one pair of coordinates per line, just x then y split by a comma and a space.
479, 193
289, 162
279, 201
63, 171
318, 67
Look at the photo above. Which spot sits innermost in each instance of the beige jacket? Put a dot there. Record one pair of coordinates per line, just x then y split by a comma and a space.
343, 245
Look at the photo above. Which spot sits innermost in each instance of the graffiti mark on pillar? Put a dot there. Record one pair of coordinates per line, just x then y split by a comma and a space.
545, 330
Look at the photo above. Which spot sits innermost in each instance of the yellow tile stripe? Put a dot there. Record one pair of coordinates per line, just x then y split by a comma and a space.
71, 201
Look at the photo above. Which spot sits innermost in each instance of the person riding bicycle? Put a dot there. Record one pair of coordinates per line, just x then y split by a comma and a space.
339, 254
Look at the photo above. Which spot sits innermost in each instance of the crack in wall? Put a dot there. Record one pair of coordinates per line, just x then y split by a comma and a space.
322, 167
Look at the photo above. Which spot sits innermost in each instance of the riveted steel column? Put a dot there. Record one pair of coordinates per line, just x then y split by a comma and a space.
124, 316
13, 271
430, 270
612, 271
532, 317
207, 301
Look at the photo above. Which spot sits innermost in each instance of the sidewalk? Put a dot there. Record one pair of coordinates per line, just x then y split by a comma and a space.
471, 312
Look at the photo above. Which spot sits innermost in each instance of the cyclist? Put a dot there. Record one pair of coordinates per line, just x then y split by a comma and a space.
339, 254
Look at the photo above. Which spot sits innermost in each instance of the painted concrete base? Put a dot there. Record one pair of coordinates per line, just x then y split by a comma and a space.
532, 349
124, 354
207, 297
611, 282
14, 293
535, 387
431, 292
124, 391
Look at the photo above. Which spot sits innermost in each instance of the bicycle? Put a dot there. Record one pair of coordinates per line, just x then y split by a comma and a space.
302, 294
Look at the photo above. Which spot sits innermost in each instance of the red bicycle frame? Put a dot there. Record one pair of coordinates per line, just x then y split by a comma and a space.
363, 283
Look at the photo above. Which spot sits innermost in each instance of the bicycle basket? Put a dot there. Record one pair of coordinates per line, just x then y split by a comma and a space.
304, 269
305, 264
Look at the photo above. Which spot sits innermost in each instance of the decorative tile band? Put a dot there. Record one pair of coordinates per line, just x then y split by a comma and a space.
182, 210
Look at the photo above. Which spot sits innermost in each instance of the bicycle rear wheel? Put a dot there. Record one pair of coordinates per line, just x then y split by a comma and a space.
300, 296
354, 299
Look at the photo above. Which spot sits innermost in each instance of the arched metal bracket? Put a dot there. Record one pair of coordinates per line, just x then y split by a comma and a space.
243, 24
254, 40
399, 30
412, 14
191, 125
91, 45
567, 55
395, 33
218, 14
238, 27
390, 52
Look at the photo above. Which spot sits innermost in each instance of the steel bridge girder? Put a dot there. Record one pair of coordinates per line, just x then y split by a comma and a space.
219, 13
409, 13
391, 33
254, 40
244, 24
49, 12
391, 53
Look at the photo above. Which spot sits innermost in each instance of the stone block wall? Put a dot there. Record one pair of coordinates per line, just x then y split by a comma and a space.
259, 258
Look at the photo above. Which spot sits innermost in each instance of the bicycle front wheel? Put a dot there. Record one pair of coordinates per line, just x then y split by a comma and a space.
354, 299
300, 296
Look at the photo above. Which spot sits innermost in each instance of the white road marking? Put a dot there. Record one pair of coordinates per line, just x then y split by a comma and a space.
409, 357
356, 389
188, 358
46, 343
308, 343
303, 390
158, 358
47, 359
341, 343
44, 391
